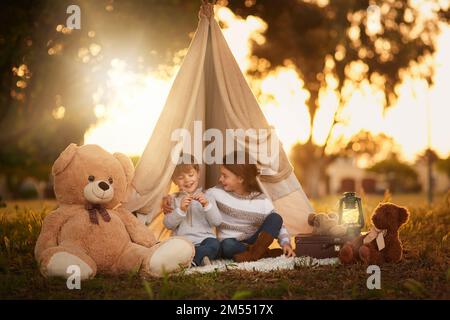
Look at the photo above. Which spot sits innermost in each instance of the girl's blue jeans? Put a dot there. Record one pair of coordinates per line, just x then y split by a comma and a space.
272, 225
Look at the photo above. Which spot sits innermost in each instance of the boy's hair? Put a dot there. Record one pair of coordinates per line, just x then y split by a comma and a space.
185, 164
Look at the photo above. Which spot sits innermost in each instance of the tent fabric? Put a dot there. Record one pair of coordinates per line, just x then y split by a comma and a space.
211, 88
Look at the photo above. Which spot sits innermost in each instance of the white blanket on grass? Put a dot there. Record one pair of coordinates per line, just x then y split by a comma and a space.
263, 265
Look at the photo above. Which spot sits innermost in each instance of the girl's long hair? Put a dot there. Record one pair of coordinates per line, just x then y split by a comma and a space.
247, 171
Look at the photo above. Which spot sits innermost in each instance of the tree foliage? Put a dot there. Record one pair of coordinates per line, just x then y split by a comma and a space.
49, 73
400, 176
331, 38
339, 39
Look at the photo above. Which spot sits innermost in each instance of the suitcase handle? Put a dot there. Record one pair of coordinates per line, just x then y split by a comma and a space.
328, 245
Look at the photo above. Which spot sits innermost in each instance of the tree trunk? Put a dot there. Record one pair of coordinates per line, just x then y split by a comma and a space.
313, 180
313, 170
319, 162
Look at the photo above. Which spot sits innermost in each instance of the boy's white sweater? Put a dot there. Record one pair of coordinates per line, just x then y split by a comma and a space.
243, 215
197, 223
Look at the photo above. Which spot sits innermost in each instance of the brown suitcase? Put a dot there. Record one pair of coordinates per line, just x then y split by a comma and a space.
318, 246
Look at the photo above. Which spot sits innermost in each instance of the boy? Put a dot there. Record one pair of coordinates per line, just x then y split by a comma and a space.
195, 214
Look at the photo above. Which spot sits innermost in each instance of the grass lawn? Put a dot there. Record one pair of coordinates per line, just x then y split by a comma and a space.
423, 274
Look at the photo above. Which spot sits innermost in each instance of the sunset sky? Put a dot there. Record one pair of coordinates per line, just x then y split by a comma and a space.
135, 101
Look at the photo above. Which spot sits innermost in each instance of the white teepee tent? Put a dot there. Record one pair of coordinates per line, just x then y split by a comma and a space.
210, 88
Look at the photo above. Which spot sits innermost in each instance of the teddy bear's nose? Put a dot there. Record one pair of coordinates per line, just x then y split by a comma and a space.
103, 185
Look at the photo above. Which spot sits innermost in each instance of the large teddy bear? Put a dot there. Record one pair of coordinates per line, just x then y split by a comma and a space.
382, 243
90, 229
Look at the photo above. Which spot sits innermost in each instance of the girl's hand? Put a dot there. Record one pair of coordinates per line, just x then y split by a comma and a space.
185, 202
200, 197
167, 204
287, 250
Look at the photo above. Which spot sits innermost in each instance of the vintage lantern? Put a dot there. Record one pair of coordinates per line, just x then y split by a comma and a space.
351, 213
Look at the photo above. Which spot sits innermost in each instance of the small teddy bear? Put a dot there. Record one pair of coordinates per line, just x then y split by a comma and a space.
326, 224
382, 243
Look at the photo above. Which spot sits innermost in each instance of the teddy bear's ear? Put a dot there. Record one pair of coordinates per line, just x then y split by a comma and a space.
311, 218
403, 215
127, 165
64, 159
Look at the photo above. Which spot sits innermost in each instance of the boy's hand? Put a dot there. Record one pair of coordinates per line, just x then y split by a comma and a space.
185, 202
287, 250
200, 197
167, 204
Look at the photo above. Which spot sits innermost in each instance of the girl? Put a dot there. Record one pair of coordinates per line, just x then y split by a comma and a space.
249, 222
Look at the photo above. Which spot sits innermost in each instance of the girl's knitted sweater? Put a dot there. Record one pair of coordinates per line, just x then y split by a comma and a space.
243, 215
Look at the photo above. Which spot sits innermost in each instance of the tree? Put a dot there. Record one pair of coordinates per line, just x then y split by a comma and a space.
301, 156
48, 72
37, 82
366, 147
399, 176
332, 37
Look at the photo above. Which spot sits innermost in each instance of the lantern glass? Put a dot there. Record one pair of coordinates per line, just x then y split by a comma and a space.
351, 211
350, 216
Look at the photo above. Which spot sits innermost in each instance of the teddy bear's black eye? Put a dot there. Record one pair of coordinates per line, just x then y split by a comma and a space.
110, 180
91, 178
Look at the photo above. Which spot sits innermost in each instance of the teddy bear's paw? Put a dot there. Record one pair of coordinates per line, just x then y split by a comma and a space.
346, 254
364, 254
171, 256
59, 263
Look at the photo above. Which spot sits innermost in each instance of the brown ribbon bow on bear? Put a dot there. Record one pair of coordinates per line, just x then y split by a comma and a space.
92, 208
377, 234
